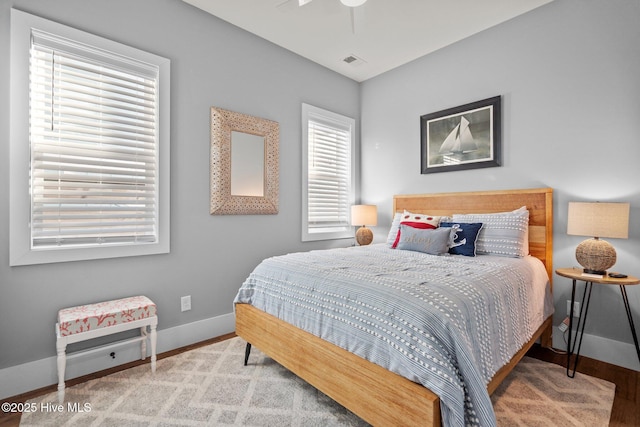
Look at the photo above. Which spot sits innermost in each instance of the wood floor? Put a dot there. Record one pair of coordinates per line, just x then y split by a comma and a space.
626, 405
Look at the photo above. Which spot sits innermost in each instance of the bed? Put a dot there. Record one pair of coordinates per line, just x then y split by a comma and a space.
375, 393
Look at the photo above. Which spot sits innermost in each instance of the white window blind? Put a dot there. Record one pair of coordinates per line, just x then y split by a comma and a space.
329, 174
94, 155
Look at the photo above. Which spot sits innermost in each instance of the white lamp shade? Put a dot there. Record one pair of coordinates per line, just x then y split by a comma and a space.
598, 219
364, 215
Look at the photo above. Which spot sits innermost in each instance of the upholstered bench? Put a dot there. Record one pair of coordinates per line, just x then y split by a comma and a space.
85, 322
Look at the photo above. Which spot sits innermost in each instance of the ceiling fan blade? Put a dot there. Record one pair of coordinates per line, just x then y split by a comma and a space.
289, 5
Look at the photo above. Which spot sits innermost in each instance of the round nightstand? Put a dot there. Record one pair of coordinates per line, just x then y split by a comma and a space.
576, 274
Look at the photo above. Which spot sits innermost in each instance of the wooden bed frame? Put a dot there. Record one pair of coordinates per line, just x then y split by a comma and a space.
375, 394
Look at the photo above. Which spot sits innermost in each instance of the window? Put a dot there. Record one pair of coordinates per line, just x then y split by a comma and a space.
92, 123
327, 175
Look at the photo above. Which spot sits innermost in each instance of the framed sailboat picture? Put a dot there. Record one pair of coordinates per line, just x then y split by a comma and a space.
464, 137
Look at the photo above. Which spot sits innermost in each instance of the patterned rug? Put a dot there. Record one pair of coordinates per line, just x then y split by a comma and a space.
210, 386
540, 394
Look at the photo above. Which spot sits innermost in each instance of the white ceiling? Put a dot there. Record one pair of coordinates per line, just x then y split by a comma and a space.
384, 34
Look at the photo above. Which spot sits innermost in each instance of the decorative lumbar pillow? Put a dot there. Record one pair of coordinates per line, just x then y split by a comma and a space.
463, 237
503, 234
421, 221
427, 240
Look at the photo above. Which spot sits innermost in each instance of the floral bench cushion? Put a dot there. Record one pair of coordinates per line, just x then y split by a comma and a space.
84, 318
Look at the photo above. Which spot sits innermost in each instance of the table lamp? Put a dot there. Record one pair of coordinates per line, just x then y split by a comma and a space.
364, 215
597, 220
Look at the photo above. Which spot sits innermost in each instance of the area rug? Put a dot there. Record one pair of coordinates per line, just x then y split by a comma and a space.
540, 394
210, 386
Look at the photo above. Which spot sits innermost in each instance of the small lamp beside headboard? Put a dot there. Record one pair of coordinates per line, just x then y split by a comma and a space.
597, 220
363, 215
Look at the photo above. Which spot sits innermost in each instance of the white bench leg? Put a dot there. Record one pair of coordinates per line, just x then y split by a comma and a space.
61, 347
153, 339
143, 343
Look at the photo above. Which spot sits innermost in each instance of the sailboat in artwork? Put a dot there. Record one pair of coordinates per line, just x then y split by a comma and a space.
460, 140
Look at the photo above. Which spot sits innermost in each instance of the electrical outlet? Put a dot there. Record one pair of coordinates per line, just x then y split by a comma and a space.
576, 308
564, 325
185, 303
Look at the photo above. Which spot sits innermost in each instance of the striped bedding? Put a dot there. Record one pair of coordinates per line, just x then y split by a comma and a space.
447, 322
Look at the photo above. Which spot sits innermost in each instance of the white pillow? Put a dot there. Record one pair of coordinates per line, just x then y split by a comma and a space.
504, 233
393, 231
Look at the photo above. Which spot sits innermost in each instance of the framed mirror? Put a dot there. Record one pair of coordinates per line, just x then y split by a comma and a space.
244, 164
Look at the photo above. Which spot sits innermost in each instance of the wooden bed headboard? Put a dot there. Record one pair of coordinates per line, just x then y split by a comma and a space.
539, 202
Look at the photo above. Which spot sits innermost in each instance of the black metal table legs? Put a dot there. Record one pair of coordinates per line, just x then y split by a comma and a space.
623, 291
582, 320
571, 372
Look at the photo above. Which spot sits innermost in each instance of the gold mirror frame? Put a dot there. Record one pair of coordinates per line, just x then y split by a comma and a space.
223, 122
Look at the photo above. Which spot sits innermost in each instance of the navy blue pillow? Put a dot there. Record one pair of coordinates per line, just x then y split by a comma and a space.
464, 237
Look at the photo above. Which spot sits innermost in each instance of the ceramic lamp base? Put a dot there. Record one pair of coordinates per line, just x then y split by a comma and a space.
596, 256
364, 236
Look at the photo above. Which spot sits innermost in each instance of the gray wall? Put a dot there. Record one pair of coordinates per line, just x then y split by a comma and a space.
568, 73
213, 64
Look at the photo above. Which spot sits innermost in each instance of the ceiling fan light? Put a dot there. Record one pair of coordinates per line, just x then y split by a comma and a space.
353, 3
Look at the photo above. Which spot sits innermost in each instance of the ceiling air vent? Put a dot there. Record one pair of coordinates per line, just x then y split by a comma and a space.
353, 60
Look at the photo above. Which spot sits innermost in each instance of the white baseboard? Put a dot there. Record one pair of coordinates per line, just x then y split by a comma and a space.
42, 373
614, 352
